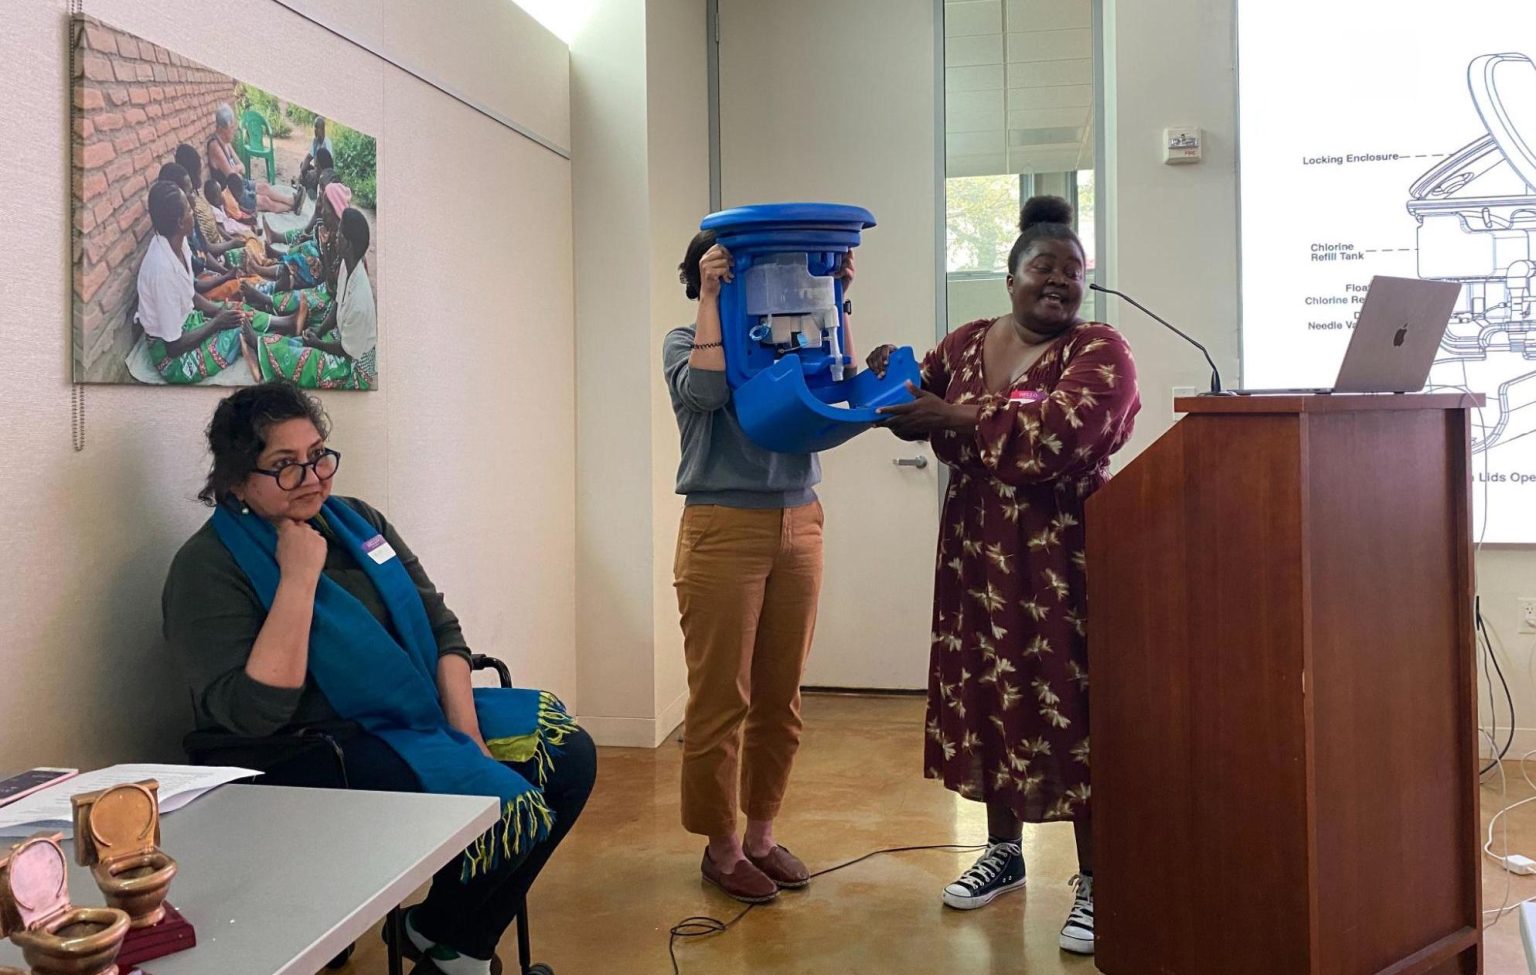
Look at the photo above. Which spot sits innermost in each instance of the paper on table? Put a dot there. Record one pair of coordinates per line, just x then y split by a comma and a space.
50, 809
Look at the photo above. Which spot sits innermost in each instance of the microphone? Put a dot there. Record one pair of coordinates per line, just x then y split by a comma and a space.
1216, 389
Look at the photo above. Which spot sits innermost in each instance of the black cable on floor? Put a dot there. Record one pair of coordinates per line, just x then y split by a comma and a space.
699, 926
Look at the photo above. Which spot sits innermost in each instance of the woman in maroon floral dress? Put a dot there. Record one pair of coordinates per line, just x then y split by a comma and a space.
1026, 410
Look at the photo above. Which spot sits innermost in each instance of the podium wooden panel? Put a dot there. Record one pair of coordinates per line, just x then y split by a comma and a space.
1284, 692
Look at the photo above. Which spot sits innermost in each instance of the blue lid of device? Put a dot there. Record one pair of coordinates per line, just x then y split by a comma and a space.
841, 216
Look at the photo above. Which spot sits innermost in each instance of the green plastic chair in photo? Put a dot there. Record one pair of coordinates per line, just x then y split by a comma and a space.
256, 143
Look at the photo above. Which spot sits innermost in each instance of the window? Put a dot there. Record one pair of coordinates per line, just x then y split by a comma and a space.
1084, 203
1019, 110
981, 222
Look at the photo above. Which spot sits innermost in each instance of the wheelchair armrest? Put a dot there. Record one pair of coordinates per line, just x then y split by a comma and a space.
263, 752
266, 751
484, 661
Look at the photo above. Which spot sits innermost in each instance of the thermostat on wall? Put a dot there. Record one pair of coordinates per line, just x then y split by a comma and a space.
1181, 144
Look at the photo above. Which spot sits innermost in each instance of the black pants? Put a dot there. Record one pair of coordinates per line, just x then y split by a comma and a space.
469, 917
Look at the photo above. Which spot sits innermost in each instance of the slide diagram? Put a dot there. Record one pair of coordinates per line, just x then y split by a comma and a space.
1476, 214
1406, 151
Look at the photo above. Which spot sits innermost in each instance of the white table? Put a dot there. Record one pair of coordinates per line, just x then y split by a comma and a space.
279, 881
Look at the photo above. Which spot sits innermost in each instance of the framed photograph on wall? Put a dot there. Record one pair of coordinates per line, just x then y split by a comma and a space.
222, 234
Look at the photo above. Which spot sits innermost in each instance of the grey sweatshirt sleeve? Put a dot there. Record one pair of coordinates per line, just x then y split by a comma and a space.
699, 390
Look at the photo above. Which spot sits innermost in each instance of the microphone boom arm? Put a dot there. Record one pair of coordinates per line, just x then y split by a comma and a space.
1216, 389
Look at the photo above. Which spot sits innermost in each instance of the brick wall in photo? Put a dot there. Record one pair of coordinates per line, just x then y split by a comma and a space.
134, 103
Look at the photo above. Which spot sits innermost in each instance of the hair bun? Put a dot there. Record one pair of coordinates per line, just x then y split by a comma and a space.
1044, 209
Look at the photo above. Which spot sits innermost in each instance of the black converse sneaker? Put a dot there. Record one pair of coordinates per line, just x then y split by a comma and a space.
1077, 933
1000, 869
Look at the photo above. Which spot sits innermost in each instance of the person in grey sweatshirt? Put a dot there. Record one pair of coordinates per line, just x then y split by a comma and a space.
748, 575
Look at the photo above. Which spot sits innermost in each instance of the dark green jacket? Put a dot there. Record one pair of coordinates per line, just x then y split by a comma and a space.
212, 616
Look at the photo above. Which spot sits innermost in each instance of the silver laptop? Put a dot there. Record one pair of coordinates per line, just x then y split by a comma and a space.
1395, 340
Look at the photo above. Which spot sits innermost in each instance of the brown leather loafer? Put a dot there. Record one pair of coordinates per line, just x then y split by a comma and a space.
745, 882
783, 868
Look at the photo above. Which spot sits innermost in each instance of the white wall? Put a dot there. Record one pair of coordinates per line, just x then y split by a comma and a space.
1172, 230
677, 112
1173, 244
614, 371
1506, 574
467, 447
639, 125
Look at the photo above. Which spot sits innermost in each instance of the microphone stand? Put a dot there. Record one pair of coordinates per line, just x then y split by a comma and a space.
1216, 389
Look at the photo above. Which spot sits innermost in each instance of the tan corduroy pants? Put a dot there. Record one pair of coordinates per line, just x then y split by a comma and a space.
747, 583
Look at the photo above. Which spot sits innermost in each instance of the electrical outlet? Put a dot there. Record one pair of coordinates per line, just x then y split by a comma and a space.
1528, 614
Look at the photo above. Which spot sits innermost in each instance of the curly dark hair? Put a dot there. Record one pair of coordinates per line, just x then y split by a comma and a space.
1042, 218
688, 271
237, 434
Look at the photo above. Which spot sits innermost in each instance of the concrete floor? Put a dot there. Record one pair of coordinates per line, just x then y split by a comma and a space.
628, 872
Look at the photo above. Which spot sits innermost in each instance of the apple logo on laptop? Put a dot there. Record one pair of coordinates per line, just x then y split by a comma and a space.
1402, 333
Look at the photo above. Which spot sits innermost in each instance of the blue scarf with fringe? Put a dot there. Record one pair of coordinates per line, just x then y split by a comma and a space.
389, 686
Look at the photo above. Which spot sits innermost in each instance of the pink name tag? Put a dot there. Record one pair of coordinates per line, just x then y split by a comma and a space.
378, 549
1025, 396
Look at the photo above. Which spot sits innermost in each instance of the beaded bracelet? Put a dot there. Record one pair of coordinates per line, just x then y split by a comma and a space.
708, 345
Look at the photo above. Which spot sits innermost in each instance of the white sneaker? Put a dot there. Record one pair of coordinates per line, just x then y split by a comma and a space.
1077, 933
999, 870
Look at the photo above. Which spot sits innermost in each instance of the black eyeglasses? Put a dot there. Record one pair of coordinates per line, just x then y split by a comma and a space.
289, 476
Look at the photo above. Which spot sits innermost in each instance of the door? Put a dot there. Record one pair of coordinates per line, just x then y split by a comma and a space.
835, 102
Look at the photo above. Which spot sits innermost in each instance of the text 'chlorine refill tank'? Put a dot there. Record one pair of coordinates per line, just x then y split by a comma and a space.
784, 328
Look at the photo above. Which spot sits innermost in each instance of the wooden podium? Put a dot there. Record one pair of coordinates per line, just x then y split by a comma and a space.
1285, 761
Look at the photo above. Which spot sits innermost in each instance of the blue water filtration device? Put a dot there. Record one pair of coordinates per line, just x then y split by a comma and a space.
784, 328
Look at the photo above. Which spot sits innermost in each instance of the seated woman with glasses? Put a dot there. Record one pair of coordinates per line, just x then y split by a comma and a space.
293, 609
